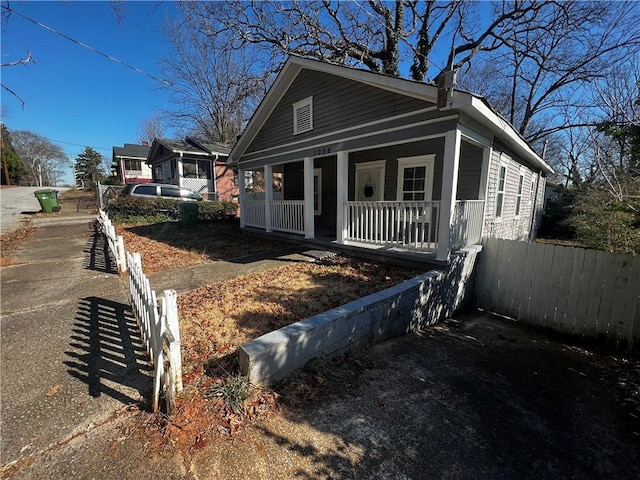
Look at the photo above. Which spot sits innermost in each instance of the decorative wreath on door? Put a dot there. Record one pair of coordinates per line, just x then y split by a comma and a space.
368, 191
368, 187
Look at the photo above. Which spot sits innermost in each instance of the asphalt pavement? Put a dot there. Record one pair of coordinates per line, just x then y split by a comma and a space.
18, 205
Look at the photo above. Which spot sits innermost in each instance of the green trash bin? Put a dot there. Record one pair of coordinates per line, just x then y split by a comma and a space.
188, 214
48, 200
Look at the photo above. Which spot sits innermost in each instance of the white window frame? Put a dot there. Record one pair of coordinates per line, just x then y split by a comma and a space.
317, 172
501, 192
533, 189
307, 102
519, 191
427, 161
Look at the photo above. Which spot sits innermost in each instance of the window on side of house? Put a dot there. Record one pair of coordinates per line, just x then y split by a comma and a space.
158, 174
317, 191
174, 166
415, 178
303, 116
130, 164
500, 189
519, 192
532, 192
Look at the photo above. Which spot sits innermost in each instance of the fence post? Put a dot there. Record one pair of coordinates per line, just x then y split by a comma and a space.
170, 315
120, 260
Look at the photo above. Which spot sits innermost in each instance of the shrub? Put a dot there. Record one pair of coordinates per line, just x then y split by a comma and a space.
149, 210
216, 210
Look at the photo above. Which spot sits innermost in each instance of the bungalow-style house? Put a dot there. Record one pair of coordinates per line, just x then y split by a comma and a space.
197, 165
384, 163
128, 163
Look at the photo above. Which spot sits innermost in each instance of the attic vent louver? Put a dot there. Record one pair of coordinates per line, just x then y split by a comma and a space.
303, 116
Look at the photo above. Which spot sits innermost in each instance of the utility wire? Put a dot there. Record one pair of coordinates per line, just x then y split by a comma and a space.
77, 144
109, 57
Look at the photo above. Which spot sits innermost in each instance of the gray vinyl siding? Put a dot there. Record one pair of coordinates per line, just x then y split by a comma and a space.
391, 154
337, 103
509, 226
469, 172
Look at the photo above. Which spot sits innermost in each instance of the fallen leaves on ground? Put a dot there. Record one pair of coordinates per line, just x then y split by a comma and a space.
11, 242
164, 246
216, 319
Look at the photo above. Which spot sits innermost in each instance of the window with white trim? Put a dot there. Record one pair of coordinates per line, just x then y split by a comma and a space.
532, 191
317, 191
500, 189
303, 116
519, 191
415, 178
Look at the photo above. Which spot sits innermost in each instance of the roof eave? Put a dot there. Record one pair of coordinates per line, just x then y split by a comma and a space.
478, 109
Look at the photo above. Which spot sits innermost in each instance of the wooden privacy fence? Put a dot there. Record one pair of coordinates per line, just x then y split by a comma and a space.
160, 331
116, 243
571, 290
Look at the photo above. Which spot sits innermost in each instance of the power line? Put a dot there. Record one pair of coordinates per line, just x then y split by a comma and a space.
109, 57
77, 144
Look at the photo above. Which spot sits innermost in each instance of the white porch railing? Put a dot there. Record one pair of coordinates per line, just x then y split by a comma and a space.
407, 225
252, 212
287, 216
467, 223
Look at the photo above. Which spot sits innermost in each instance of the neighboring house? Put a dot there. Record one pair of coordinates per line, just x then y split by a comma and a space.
196, 165
372, 161
550, 191
128, 163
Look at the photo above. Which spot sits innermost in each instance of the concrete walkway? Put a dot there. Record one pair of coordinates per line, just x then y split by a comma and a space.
70, 354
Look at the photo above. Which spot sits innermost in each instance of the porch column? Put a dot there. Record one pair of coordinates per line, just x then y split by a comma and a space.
308, 198
450, 167
268, 196
342, 188
242, 194
180, 170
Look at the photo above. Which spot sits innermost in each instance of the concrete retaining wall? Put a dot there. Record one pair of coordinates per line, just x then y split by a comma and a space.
417, 303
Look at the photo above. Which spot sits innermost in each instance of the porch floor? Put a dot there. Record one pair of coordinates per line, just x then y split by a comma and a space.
380, 253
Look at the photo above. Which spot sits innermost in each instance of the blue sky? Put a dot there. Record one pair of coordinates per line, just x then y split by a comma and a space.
72, 94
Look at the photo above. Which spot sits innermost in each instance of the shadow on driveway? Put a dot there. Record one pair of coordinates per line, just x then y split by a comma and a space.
106, 351
97, 256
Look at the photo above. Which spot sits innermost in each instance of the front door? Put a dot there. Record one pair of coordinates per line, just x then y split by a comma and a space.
370, 181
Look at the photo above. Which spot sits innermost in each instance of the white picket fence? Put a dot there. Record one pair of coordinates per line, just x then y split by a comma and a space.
160, 330
158, 322
116, 243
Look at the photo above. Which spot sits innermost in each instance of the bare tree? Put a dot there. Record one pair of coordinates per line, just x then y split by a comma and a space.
45, 161
22, 61
150, 128
214, 89
542, 75
376, 34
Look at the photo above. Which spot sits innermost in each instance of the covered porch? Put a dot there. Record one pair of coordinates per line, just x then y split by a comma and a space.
424, 197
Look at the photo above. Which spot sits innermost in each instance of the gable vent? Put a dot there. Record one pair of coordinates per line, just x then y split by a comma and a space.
303, 116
